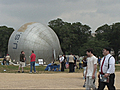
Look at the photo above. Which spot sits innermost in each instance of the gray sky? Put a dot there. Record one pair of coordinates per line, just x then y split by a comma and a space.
95, 13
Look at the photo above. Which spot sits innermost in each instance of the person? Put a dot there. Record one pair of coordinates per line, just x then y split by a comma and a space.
107, 69
60, 57
91, 70
7, 59
80, 62
32, 61
65, 60
22, 61
62, 61
84, 67
99, 59
71, 63
75, 61
4, 61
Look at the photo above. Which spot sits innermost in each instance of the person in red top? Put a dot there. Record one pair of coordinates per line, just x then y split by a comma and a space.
32, 61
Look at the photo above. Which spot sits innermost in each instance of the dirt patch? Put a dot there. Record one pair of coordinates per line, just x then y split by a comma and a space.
45, 81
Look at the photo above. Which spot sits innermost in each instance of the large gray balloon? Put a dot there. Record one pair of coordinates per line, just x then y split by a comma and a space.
37, 37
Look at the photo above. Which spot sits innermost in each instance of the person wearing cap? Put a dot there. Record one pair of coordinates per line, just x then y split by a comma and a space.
7, 59
107, 70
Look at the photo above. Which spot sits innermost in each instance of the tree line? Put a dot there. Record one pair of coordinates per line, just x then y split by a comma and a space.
75, 37
5, 33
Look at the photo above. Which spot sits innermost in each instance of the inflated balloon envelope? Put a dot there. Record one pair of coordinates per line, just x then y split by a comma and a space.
37, 37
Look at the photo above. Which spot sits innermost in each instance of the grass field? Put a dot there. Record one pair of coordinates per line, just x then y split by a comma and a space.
39, 69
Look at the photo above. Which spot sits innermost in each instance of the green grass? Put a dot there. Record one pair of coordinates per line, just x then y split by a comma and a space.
117, 68
14, 69
40, 69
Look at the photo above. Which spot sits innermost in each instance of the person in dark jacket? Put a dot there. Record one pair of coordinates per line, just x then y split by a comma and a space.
84, 65
4, 61
22, 61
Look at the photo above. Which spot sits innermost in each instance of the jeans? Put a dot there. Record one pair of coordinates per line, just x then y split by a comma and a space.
80, 65
32, 64
7, 62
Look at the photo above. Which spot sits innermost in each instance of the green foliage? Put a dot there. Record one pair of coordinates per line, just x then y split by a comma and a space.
76, 38
96, 45
71, 36
5, 33
112, 35
14, 69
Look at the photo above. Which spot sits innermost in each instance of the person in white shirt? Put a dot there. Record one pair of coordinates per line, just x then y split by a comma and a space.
62, 61
91, 70
7, 59
107, 69
71, 63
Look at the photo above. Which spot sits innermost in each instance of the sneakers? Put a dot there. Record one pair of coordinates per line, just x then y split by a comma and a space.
84, 85
18, 71
30, 72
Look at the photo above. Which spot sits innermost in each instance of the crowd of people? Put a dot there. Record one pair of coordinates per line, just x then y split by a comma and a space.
22, 61
88, 63
70, 61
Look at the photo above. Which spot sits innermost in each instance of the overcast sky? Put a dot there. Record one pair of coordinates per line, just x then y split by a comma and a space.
95, 13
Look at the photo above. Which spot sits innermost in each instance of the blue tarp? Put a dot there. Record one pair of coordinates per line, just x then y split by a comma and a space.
51, 67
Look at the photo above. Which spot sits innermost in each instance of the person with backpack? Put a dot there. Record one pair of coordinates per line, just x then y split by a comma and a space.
107, 71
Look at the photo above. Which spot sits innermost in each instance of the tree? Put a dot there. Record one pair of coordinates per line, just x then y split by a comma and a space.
62, 29
115, 39
71, 36
96, 45
81, 33
112, 35
5, 33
